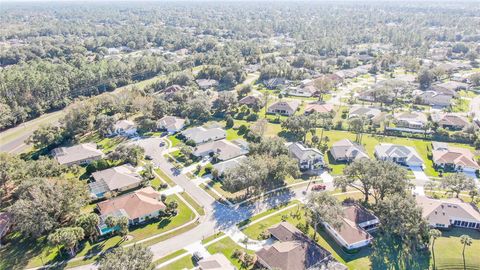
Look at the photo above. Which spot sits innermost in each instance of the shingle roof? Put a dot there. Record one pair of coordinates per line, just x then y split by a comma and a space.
223, 166
171, 122
349, 230
398, 151
136, 204
66, 155
319, 108
199, 134
217, 261
114, 178
225, 149
346, 149
442, 211
455, 155
301, 152
290, 106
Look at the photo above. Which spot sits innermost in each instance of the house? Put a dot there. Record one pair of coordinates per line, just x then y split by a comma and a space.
453, 86
77, 154
403, 155
251, 101
447, 213
347, 151
138, 206
360, 111
453, 158
287, 108
308, 158
316, 107
450, 121
217, 261
206, 84
371, 95
274, 83
172, 89
412, 120
116, 179
223, 166
308, 90
432, 98
357, 222
224, 149
293, 250
125, 128
171, 124
201, 135
5, 224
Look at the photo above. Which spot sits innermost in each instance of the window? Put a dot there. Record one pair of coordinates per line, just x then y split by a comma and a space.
464, 224
456, 223
471, 225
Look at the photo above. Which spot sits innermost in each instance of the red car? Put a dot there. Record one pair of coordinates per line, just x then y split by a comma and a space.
318, 187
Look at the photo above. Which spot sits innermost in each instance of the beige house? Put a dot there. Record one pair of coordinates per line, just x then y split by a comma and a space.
453, 158
347, 151
138, 206
287, 108
413, 120
116, 179
446, 213
77, 154
171, 124
318, 108
224, 149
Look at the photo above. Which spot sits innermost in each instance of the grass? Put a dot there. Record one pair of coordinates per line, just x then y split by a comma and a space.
448, 250
193, 203
174, 140
266, 213
26, 253
461, 105
212, 237
183, 263
227, 246
232, 134
165, 177
210, 192
170, 256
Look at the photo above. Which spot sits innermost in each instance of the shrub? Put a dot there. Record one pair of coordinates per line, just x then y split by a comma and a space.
264, 235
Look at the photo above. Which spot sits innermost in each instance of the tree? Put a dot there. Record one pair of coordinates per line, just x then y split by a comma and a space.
244, 89
358, 171
388, 178
89, 223
272, 147
466, 241
458, 182
46, 136
434, 234
324, 208
122, 223
104, 124
133, 258
79, 119
357, 125
67, 237
298, 125
128, 154
425, 78
229, 122
44, 205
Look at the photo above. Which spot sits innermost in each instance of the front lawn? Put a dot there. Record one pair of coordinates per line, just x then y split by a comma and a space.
183, 263
165, 177
227, 246
448, 250
22, 253
174, 140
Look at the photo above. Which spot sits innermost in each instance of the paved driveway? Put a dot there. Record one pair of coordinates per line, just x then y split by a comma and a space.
418, 172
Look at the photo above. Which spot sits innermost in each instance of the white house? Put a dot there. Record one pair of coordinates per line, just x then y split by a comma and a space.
404, 155
202, 135
171, 124
308, 158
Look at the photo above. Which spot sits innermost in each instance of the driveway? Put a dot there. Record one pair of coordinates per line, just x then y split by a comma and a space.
418, 172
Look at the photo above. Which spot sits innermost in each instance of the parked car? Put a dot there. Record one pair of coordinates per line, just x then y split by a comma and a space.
162, 144
147, 157
196, 257
318, 187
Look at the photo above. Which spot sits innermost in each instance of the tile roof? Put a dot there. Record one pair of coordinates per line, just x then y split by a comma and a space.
442, 211
136, 204
455, 155
319, 108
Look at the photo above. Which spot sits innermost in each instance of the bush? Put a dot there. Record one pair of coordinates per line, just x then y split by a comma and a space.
252, 117
264, 235
302, 227
238, 254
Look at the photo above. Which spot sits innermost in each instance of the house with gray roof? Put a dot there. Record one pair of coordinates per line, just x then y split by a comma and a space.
116, 179
206, 84
77, 155
360, 111
201, 135
411, 120
287, 108
347, 151
223, 166
124, 128
171, 124
308, 158
223, 149
403, 155
432, 98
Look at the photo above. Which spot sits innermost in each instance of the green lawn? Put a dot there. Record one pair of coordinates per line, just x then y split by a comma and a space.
165, 177
227, 246
183, 263
20, 253
174, 140
212, 237
461, 105
170, 256
193, 203
448, 250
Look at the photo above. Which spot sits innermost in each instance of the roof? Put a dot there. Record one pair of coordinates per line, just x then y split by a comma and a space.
363, 111
225, 149
171, 122
124, 125
441, 211
412, 117
223, 166
451, 120
398, 151
205, 83
79, 152
172, 89
346, 149
301, 152
455, 155
349, 231
319, 108
291, 105
136, 204
249, 100
293, 251
453, 85
114, 178
200, 134
217, 261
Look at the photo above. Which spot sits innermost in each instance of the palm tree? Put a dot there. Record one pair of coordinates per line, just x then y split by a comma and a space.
434, 234
466, 241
